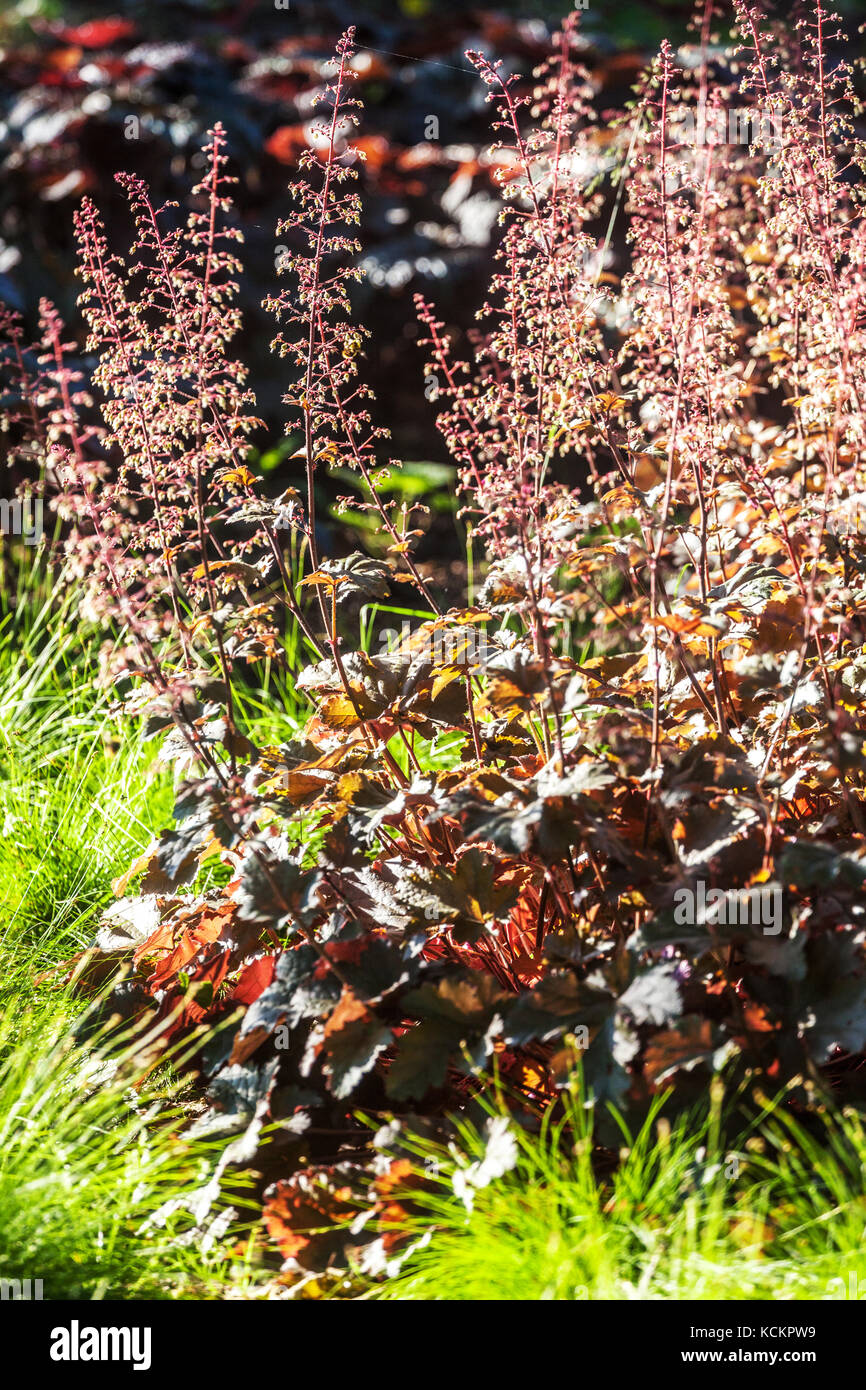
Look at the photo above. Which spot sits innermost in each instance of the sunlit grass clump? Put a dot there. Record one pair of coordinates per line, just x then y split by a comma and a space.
101, 1193
683, 1214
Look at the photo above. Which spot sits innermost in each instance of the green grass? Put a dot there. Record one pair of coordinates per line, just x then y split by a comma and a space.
80, 795
780, 1215
98, 1187
68, 828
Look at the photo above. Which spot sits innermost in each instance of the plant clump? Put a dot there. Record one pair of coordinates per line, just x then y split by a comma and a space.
612, 808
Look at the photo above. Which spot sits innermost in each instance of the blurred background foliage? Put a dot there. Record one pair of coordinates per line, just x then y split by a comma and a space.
89, 89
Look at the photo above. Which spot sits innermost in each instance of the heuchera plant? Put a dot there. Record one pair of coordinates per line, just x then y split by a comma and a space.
474, 857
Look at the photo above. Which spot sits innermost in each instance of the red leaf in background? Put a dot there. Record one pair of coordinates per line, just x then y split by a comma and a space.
286, 143
61, 60
349, 1009
65, 185
395, 1177
351, 951
236, 50
201, 997
183, 940
254, 979
369, 67
298, 1208
375, 149
420, 156
99, 33
212, 972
